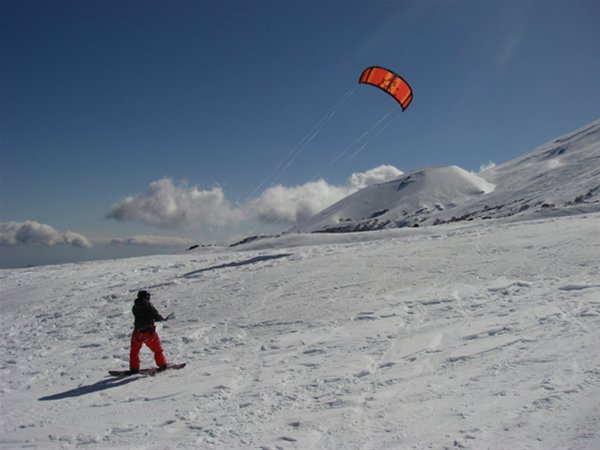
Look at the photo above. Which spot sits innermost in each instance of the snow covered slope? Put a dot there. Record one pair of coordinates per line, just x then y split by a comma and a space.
400, 202
561, 175
469, 335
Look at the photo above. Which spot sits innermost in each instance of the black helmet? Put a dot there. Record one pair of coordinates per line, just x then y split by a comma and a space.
144, 295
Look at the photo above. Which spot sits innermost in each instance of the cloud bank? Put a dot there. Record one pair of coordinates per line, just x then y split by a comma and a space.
35, 233
169, 206
149, 241
294, 205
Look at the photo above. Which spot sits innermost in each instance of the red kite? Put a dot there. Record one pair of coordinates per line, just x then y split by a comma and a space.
390, 82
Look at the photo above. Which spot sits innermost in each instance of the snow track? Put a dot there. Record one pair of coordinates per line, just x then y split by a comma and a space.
464, 336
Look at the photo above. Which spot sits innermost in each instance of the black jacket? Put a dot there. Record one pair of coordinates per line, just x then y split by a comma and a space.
145, 314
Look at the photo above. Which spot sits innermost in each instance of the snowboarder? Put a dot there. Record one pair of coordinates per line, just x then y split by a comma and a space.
144, 332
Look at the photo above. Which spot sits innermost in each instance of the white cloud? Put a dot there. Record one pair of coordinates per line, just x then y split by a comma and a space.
487, 166
377, 175
169, 206
35, 233
145, 240
293, 205
298, 203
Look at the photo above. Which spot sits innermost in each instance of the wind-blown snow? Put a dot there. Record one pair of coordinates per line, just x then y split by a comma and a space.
457, 336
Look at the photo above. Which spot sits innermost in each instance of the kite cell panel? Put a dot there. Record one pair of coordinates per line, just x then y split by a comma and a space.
389, 82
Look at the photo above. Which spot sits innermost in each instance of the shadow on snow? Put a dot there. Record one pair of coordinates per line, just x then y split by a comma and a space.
246, 262
107, 383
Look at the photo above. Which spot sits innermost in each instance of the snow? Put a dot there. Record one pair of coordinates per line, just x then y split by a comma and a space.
561, 175
480, 332
425, 190
472, 335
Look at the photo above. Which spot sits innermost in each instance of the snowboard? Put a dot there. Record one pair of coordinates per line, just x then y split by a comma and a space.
148, 371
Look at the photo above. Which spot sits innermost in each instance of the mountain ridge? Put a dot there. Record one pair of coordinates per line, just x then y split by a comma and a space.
560, 176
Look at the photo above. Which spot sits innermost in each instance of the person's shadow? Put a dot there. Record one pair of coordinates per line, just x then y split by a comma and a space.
246, 262
107, 383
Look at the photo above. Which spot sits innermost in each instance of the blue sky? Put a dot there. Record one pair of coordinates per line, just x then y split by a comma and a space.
187, 107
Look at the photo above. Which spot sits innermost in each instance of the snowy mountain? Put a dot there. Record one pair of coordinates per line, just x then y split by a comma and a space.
402, 202
561, 175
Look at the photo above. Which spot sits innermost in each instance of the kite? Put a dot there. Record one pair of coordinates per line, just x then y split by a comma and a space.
390, 82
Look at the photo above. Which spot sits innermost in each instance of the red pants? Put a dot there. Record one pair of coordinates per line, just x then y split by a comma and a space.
152, 341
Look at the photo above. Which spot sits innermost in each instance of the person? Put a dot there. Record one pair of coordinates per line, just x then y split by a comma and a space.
144, 332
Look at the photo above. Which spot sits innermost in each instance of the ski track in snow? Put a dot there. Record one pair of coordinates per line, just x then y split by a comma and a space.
468, 336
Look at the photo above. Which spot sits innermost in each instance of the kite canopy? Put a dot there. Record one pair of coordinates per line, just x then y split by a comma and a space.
390, 82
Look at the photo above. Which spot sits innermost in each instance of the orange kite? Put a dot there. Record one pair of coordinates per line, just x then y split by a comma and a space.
390, 82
